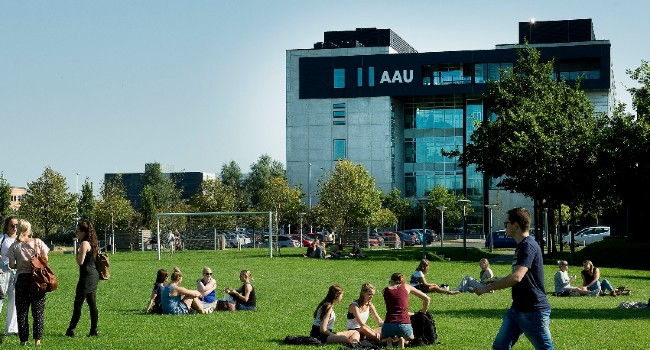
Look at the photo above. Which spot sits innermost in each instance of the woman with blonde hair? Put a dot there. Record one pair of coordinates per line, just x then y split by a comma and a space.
591, 284
359, 311
177, 300
20, 256
244, 296
418, 281
207, 286
468, 283
324, 317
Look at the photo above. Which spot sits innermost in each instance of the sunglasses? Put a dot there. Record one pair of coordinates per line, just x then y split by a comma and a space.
208, 273
14, 225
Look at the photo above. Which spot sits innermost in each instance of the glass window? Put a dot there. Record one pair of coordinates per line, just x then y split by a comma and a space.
339, 122
339, 149
359, 76
371, 76
339, 78
409, 150
479, 73
339, 114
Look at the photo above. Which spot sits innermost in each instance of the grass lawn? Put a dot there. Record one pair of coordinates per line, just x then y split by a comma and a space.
289, 287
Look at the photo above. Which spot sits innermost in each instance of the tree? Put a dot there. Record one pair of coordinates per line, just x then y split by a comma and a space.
383, 218
48, 205
214, 196
348, 196
231, 176
440, 196
87, 202
5, 197
260, 173
278, 197
148, 209
401, 207
113, 211
165, 194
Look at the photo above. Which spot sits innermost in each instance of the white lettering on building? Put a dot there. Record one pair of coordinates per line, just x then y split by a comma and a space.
404, 77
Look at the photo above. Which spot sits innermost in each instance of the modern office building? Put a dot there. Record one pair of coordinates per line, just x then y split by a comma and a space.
187, 181
368, 96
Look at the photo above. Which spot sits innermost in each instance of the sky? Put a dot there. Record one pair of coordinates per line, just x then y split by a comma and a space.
95, 87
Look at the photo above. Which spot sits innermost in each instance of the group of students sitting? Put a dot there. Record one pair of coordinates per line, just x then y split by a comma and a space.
173, 299
395, 328
318, 250
591, 284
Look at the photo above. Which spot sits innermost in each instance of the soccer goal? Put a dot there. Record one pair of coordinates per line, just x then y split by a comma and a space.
230, 215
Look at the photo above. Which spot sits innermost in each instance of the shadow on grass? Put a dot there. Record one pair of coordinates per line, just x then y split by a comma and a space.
556, 313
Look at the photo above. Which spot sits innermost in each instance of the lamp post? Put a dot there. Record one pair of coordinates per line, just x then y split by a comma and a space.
424, 201
442, 222
464, 203
490, 207
302, 215
309, 185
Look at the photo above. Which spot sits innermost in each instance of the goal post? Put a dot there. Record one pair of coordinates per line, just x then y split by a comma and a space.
269, 213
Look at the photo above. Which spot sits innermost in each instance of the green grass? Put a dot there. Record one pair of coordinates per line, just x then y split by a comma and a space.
289, 287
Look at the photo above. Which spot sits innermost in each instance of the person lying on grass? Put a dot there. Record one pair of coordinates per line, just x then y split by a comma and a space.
177, 300
420, 283
324, 317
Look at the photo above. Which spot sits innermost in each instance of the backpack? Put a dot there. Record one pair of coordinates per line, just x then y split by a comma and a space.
424, 329
102, 262
301, 340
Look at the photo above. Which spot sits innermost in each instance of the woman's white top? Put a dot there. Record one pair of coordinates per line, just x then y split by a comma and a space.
352, 323
330, 322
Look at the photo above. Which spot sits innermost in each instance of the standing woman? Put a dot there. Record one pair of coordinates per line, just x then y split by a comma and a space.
88, 278
20, 256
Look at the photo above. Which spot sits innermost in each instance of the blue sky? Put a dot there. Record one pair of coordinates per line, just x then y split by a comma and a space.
92, 87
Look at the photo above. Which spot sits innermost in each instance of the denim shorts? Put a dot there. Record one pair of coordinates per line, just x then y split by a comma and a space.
390, 330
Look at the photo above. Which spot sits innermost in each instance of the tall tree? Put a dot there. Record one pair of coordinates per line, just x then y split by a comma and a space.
166, 195
87, 202
401, 207
348, 196
148, 209
113, 211
278, 197
440, 196
48, 205
214, 196
5, 197
264, 169
231, 176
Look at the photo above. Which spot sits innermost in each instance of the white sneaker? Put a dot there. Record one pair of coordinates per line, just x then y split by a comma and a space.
207, 310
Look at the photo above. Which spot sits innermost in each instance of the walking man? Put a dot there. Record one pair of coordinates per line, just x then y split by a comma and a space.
530, 312
7, 275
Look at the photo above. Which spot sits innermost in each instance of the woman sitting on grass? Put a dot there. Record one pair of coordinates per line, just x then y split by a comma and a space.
591, 284
397, 323
155, 305
207, 286
486, 276
177, 300
244, 296
359, 312
324, 317
562, 281
418, 281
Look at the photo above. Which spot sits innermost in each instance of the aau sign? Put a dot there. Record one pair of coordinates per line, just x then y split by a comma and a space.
404, 77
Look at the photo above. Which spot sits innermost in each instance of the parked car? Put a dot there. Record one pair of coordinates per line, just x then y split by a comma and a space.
587, 235
235, 239
283, 242
306, 242
391, 238
409, 237
500, 240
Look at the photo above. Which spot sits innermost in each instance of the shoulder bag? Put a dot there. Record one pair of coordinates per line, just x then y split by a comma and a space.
43, 278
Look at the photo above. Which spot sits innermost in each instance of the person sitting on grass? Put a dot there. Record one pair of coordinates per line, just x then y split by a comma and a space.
419, 282
310, 249
207, 286
356, 250
244, 296
155, 305
591, 284
397, 323
561, 280
324, 317
468, 283
359, 311
177, 300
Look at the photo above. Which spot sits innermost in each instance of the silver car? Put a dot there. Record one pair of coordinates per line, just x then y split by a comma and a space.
587, 235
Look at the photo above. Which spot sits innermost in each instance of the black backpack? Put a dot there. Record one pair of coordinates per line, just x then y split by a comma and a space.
301, 340
424, 329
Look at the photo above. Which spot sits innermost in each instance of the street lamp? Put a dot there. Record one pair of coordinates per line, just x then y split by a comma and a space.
424, 201
491, 206
464, 203
442, 222
302, 215
309, 185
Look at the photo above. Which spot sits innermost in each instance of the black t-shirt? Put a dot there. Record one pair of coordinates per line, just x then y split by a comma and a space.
529, 294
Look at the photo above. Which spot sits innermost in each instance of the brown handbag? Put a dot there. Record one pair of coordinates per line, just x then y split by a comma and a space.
43, 278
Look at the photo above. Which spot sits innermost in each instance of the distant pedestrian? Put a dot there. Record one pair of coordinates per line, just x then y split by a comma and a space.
88, 278
530, 312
